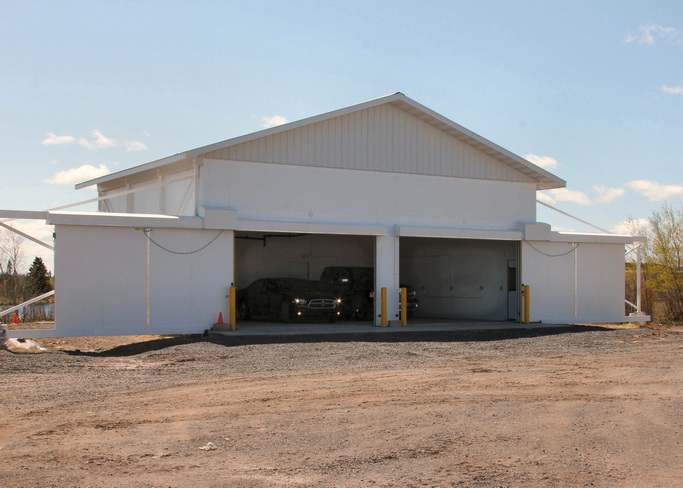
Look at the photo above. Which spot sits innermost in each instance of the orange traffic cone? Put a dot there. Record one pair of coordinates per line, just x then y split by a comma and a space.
220, 319
16, 318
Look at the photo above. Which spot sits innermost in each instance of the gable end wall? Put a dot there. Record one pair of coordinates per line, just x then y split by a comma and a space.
383, 138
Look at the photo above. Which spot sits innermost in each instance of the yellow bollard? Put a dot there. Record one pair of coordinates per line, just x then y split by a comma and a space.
527, 301
383, 305
404, 307
233, 308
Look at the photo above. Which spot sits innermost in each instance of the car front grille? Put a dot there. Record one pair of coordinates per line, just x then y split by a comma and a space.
321, 303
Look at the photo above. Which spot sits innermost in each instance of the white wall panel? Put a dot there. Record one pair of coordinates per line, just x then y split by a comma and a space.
169, 194
101, 278
601, 275
179, 195
260, 191
383, 138
574, 287
115, 205
147, 198
190, 288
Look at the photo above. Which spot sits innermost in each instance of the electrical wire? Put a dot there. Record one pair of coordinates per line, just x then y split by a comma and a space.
148, 231
552, 255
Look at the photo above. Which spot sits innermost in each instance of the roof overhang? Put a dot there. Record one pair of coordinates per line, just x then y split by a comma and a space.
107, 219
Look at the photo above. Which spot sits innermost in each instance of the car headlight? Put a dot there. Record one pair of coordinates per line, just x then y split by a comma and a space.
300, 301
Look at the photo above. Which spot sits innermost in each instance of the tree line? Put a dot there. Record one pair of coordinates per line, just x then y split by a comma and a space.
661, 264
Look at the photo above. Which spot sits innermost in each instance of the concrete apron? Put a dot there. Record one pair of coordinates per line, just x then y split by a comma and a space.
254, 328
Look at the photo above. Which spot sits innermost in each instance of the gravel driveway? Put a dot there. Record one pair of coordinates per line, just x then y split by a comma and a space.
582, 406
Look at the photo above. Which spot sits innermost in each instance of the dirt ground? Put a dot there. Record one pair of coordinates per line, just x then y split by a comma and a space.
582, 406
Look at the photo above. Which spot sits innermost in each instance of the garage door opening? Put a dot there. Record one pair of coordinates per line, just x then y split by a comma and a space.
472, 279
261, 256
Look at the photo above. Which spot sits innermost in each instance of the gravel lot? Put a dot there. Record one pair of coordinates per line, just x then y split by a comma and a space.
582, 406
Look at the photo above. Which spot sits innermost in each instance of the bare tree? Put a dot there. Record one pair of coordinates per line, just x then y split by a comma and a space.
11, 261
11, 251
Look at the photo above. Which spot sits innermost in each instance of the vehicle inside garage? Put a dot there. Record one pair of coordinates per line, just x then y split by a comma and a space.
451, 278
282, 255
318, 268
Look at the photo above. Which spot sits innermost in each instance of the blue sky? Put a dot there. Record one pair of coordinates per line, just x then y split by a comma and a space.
591, 90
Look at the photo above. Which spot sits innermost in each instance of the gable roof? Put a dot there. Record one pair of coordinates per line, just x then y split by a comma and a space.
544, 179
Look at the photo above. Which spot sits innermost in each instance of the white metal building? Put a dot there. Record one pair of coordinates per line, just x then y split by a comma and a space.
387, 183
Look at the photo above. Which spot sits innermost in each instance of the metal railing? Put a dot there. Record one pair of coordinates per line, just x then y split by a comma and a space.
28, 302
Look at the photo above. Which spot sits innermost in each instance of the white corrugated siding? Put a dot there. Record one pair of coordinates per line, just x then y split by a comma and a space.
170, 194
383, 138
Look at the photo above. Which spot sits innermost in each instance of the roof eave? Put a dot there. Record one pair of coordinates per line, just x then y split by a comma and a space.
134, 170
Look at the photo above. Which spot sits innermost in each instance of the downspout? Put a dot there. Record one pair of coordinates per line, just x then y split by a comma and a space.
576, 279
148, 297
520, 298
196, 164
639, 309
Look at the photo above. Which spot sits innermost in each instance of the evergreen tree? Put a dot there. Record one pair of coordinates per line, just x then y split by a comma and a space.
38, 278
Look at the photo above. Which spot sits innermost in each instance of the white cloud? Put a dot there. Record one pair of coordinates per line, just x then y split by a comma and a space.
100, 141
655, 191
672, 90
650, 34
78, 175
564, 195
545, 198
607, 194
275, 120
545, 162
53, 139
634, 227
134, 146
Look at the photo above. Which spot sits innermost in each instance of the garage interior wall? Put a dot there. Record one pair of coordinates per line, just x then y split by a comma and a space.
272, 255
461, 278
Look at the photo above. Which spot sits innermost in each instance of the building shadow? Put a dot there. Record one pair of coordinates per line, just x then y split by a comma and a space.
398, 336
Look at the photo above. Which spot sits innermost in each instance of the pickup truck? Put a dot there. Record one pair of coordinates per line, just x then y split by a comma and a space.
354, 286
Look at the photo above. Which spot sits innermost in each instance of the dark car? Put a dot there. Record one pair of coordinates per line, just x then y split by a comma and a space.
354, 286
286, 299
